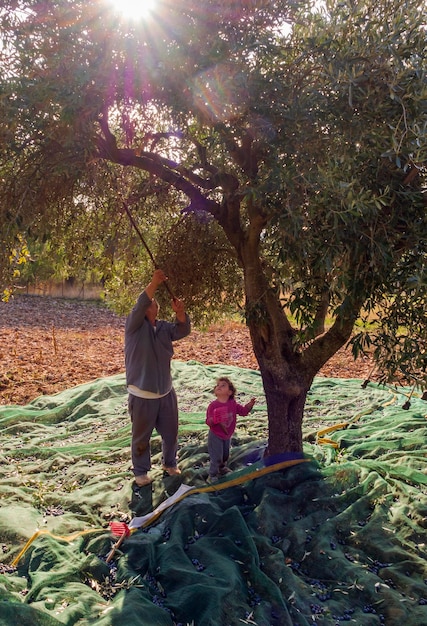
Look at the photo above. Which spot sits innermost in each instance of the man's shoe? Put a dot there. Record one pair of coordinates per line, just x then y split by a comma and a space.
143, 480
212, 479
172, 471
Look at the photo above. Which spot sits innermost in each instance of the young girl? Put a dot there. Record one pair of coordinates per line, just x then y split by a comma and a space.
221, 419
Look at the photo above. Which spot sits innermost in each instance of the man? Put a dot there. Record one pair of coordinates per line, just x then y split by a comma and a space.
152, 398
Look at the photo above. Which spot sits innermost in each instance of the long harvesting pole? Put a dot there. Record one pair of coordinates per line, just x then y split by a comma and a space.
137, 230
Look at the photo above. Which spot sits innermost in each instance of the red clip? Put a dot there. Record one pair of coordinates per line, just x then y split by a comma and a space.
119, 528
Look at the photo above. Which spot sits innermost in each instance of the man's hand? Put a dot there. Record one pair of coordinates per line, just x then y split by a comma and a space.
157, 279
178, 307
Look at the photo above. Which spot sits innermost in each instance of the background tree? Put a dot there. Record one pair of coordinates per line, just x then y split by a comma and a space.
301, 134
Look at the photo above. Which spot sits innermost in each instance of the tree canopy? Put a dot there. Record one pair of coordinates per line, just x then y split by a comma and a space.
290, 140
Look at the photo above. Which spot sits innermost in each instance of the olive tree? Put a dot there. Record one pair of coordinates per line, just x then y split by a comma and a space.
299, 131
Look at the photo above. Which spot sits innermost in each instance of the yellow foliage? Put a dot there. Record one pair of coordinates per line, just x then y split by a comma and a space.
6, 295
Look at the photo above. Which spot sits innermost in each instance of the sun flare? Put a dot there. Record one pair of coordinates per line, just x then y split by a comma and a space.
134, 9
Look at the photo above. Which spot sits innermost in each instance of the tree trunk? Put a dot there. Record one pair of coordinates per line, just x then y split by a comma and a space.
286, 387
285, 415
287, 369
286, 379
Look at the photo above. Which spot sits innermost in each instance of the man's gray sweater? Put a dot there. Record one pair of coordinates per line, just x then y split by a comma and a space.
149, 349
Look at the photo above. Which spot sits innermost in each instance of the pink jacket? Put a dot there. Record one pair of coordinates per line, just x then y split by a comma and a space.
224, 413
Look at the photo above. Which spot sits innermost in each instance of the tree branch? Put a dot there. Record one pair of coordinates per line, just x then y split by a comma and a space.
326, 345
317, 328
153, 164
244, 156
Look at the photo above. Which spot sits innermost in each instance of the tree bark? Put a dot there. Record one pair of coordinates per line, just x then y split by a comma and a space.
285, 390
284, 376
287, 368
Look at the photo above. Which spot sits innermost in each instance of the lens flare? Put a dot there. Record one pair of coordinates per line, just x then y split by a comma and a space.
134, 9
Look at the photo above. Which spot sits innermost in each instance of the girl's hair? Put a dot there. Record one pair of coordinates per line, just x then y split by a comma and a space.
224, 379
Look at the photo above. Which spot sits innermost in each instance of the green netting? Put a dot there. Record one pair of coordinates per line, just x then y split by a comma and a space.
338, 537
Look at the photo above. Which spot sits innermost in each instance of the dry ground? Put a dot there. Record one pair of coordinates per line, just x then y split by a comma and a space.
49, 344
